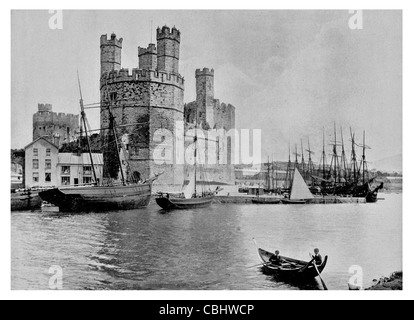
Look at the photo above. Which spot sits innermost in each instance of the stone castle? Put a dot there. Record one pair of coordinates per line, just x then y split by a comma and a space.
58, 128
150, 98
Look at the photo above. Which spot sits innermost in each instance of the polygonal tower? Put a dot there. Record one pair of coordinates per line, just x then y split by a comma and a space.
110, 53
168, 43
144, 102
205, 95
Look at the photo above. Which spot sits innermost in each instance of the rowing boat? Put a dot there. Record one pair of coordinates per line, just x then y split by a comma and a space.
290, 268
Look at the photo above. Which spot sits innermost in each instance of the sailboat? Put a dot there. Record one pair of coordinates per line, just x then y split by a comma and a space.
126, 195
190, 198
299, 193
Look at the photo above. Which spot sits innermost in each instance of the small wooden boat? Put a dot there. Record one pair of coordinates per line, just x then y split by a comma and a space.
291, 268
182, 203
292, 201
266, 201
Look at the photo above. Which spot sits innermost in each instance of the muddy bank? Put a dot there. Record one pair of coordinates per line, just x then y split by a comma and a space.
394, 282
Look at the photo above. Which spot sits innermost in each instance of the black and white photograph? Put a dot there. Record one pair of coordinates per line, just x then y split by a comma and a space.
207, 150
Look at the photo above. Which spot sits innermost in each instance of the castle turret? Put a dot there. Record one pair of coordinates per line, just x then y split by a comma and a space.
168, 43
147, 57
205, 94
110, 53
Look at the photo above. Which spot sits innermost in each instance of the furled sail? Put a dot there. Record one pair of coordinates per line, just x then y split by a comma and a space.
300, 190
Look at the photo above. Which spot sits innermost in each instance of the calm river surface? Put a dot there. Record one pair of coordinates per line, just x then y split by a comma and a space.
206, 249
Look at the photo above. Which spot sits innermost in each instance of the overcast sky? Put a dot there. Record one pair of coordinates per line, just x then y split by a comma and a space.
289, 73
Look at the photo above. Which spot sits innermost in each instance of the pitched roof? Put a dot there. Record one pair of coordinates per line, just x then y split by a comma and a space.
82, 159
38, 139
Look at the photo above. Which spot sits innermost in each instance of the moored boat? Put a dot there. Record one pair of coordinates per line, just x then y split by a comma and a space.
99, 198
190, 198
168, 203
25, 200
261, 200
291, 201
299, 193
129, 193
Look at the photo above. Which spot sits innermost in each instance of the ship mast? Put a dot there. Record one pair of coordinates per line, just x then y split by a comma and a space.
323, 156
83, 116
363, 160
304, 173
288, 173
353, 157
112, 127
343, 157
195, 153
310, 164
268, 173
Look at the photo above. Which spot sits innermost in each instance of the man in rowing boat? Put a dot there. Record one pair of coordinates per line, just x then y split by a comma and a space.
317, 257
275, 259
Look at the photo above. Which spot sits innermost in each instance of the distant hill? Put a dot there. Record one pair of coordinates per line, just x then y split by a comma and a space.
389, 164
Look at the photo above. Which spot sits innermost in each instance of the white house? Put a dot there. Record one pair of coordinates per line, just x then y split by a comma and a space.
41, 158
74, 169
46, 167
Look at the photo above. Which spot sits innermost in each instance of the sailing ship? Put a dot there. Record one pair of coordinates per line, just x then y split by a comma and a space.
299, 193
190, 198
340, 178
128, 194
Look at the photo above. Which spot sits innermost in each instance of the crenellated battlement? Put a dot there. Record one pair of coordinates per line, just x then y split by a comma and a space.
166, 33
136, 74
44, 107
223, 107
152, 49
204, 72
60, 119
112, 41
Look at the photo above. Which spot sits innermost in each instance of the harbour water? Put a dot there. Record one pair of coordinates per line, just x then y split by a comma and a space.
205, 249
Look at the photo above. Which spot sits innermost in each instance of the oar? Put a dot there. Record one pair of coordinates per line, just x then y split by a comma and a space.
259, 265
320, 277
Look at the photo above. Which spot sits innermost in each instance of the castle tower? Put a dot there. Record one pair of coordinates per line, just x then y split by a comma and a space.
147, 57
58, 128
205, 95
110, 53
168, 43
145, 101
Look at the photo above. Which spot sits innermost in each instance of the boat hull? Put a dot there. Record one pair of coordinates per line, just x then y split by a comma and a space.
288, 201
99, 199
183, 204
292, 269
25, 201
266, 201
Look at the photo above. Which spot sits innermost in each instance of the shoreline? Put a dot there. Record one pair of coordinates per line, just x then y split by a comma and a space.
393, 282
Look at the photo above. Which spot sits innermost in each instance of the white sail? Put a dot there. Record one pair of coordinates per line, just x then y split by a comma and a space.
300, 190
188, 190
